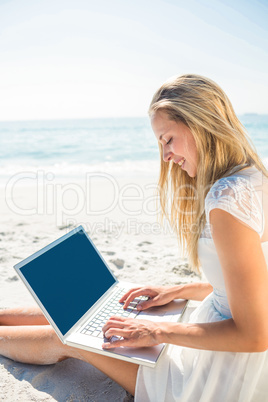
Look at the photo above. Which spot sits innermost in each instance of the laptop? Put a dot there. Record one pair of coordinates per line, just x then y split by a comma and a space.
73, 285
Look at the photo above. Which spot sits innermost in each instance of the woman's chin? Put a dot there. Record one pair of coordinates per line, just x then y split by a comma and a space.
190, 172
189, 169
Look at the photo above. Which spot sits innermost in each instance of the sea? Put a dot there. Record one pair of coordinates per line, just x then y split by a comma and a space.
120, 146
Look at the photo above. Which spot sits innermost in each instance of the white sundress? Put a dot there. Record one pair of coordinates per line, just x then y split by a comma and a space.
192, 375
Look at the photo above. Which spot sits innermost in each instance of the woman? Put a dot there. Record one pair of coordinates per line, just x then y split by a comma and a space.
219, 207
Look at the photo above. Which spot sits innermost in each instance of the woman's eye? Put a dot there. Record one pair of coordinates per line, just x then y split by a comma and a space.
169, 141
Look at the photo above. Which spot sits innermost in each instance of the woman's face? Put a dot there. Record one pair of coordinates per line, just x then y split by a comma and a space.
177, 142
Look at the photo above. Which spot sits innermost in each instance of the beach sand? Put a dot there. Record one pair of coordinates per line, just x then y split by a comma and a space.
120, 216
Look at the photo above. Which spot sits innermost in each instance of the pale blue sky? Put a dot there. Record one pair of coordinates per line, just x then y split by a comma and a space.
85, 58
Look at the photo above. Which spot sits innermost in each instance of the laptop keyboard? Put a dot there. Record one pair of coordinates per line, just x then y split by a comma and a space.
112, 308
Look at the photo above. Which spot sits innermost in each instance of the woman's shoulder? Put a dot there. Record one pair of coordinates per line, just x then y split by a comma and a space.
238, 195
239, 184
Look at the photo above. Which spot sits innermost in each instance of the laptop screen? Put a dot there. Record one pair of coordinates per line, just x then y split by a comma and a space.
68, 279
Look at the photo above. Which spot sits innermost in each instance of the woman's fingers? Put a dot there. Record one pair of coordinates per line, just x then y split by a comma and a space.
118, 326
115, 322
130, 332
123, 298
158, 295
115, 327
117, 343
130, 296
133, 296
116, 331
147, 303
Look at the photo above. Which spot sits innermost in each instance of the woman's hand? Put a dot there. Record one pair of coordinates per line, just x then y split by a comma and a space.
130, 332
158, 296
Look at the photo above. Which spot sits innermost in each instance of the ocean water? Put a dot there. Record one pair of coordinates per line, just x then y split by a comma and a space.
73, 147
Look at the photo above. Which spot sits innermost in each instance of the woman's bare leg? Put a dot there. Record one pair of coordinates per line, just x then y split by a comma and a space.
31, 315
39, 344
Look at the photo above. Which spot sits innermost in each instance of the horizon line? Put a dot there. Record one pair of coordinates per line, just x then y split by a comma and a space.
105, 118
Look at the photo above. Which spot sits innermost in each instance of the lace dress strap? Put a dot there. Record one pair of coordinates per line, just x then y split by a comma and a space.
236, 195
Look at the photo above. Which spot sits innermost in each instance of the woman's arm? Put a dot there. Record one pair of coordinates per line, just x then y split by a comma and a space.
193, 291
246, 279
161, 295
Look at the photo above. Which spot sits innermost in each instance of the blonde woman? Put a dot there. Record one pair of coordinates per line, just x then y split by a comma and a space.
219, 206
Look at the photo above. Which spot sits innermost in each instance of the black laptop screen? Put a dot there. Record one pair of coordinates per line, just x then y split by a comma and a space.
68, 279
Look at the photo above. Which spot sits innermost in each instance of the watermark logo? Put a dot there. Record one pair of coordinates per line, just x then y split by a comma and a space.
98, 195
96, 198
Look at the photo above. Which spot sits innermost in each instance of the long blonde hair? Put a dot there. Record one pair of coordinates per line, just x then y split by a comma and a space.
222, 143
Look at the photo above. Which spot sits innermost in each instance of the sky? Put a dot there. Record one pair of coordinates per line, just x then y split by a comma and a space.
92, 59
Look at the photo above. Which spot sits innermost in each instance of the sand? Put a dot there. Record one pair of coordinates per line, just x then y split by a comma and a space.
120, 215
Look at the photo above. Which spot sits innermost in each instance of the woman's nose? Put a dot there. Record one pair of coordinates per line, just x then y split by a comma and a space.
166, 155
